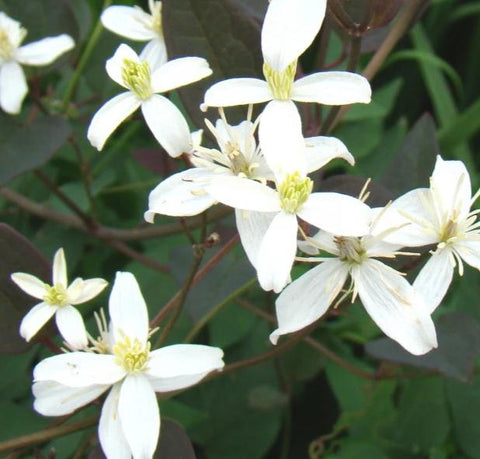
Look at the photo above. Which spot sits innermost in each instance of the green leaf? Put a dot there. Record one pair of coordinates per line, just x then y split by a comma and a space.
458, 346
413, 164
218, 30
423, 420
24, 148
461, 129
18, 255
464, 400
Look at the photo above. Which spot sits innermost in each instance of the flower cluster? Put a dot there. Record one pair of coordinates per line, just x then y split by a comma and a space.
264, 169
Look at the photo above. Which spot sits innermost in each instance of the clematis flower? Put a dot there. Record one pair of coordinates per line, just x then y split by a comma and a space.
288, 30
441, 215
143, 90
130, 419
387, 296
13, 85
136, 24
58, 299
183, 194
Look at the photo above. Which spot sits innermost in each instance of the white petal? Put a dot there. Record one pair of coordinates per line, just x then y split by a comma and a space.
277, 252
237, 91
434, 278
115, 64
321, 150
281, 139
60, 268
289, 28
90, 289
54, 399
324, 241
109, 116
79, 369
336, 213
242, 193
139, 415
392, 303
110, 433
179, 195
128, 310
306, 299
451, 188
128, 22
167, 124
155, 53
469, 250
332, 88
179, 72
182, 365
45, 51
252, 226
36, 319
30, 284
70, 324
414, 214
13, 87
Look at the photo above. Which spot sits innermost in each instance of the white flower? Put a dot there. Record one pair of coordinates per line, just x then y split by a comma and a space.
143, 87
441, 215
130, 419
13, 85
388, 298
183, 194
136, 24
288, 30
58, 299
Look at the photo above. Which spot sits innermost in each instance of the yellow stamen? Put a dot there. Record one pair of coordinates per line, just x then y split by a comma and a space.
132, 356
294, 191
136, 76
280, 82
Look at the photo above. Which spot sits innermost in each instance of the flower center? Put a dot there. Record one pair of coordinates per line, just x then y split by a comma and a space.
132, 356
156, 10
449, 231
6, 46
350, 249
238, 162
280, 82
294, 191
136, 76
56, 295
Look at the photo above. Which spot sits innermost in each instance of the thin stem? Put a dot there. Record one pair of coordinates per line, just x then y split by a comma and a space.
46, 435
90, 46
396, 33
198, 277
87, 219
216, 309
198, 257
313, 343
105, 232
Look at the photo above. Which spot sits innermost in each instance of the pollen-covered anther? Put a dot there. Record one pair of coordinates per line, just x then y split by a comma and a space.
136, 76
132, 356
239, 163
294, 191
156, 10
6, 46
280, 83
56, 295
350, 249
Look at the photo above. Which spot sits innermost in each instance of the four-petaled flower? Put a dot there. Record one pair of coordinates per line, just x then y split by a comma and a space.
130, 418
58, 299
136, 24
386, 295
13, 85
288, 30
441, 215
144, 85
